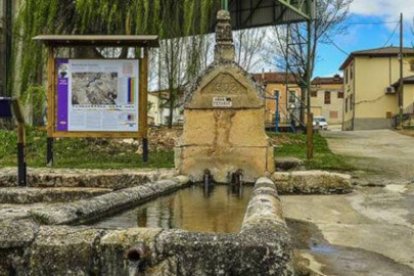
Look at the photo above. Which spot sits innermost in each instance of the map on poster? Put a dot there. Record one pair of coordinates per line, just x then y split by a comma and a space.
97, 95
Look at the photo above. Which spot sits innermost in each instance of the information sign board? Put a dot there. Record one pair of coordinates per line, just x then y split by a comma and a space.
97, 95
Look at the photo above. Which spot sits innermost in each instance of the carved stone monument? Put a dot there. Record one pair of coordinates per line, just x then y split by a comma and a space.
224, 119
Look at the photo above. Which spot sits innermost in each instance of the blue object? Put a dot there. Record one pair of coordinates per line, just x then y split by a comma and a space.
6, 108
277, 115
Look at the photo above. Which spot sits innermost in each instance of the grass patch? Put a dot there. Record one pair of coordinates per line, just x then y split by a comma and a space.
294, 145
79, 153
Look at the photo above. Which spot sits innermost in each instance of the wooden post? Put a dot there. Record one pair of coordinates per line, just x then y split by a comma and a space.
309, 133
22, 173
50, 104
401, 81
144, 103
21, 142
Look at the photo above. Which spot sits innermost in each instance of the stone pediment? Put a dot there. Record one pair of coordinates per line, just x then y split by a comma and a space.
224, 84
225, 88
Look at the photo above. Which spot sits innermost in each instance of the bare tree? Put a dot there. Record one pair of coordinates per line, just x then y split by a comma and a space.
249, 45
292, 42
176, 65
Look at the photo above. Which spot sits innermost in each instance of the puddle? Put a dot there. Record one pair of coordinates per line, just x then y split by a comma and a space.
194, 209
340, 260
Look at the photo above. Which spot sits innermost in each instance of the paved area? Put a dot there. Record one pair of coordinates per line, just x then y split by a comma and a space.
384, 152
367, 232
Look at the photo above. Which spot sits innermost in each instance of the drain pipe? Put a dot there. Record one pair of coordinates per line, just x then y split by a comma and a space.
138, 259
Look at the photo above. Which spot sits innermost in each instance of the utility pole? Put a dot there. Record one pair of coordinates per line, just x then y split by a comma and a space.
401, 83
225, 5
309, 148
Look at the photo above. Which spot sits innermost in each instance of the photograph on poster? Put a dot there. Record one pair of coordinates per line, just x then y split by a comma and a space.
94, 88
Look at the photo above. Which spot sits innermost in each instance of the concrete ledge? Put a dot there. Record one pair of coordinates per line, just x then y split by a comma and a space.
115, 179
312, 182
107, 204
33, 195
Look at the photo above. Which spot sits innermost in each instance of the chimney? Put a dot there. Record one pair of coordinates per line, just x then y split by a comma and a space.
224, 49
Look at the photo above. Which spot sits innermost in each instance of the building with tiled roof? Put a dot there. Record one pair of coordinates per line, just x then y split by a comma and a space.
371, 86
327, 96
288, 91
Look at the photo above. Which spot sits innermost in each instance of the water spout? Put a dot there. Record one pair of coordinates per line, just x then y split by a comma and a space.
138, 259
236, 182
207, 182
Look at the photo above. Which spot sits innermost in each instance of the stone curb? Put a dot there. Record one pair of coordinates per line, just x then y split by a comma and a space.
264, 205
312, 182
90, 209
111, 179
22, 195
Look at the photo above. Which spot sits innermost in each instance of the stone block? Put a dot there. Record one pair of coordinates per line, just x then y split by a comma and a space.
115, 243
225, 127
312, 182
221, 160
64, 251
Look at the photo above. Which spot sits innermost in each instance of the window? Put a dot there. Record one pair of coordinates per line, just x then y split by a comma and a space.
412, 65
351, 72
327, 97
388, 115
292, 96
346, 105
314, 93
333, 114
340, 94
351, 99
346, 75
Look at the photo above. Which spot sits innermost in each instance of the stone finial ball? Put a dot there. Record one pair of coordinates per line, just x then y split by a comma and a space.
223, 15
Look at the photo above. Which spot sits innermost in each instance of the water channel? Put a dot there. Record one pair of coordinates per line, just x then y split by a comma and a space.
219, 210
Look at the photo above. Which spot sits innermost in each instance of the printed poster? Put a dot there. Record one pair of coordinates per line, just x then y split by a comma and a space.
97, 95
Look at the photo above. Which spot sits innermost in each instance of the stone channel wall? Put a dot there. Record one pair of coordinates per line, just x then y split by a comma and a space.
312, 182
110, 179
29, 247
17, 195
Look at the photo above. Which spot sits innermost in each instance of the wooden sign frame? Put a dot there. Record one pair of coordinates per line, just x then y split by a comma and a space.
52, 112
53, 42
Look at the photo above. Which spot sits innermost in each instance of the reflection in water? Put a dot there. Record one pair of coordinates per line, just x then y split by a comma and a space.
199, 208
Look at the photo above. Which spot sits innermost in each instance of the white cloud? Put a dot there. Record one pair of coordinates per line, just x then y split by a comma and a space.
388, 9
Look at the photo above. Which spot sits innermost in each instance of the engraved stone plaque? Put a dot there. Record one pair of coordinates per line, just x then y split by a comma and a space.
224, 84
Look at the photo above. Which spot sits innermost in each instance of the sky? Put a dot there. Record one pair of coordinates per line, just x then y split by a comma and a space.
361, 34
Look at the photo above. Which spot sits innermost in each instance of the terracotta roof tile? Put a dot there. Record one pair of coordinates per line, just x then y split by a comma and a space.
328, 80
274, 77
377, 52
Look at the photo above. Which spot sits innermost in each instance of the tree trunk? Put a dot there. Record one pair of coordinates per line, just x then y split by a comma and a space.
171, 113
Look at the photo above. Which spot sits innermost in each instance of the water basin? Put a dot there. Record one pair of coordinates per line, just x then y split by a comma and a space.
194, 209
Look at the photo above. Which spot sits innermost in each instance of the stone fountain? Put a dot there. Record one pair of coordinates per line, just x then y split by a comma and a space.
224, 112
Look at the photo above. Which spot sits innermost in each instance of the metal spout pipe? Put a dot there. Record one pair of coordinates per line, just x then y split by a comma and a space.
236, 181
207, 181
138, 259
